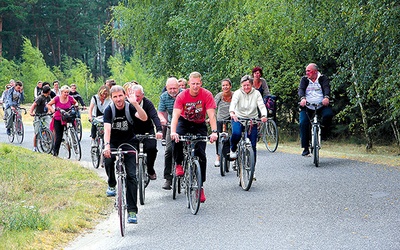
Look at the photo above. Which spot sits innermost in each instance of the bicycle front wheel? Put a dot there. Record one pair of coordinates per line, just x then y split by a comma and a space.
121, 203
75, 144
194, 186
95, 153
223, 160
65, 149
44, 140
78, 125
316, 146
141, 180
247, 166
11, 135
270, 135
19, 130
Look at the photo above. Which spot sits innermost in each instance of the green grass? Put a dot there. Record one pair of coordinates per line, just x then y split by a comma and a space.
46, 201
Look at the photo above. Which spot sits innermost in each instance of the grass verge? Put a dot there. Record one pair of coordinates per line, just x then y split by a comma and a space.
386, 155
46, 201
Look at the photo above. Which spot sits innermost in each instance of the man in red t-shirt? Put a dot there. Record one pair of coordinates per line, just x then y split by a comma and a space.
189, 115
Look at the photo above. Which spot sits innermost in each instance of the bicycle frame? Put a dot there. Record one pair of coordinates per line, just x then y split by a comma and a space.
192, 181
120, 198
223, 137
44, 137
315, 133
245, 161
141, 169
18, 126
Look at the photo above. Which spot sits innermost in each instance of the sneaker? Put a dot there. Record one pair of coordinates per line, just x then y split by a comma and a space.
167, 185
233, 155
8, 131
179, 170
202, 195
163, 142
234, 166
132, 218
35, 149
110, 191
216, 163
306, 152
153, 176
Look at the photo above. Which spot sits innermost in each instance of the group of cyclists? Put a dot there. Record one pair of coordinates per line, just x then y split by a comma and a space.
127, 112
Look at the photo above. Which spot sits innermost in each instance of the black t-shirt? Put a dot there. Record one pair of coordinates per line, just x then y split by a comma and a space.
41, 103
121, 130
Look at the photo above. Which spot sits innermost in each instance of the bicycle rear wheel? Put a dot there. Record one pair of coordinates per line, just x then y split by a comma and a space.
316, 146
194, 186
121, 203
44, 140
76, 145
19, 130
246, 167
270, 135
141, 180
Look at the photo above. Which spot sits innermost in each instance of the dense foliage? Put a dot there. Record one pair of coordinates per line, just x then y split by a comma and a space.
355, 43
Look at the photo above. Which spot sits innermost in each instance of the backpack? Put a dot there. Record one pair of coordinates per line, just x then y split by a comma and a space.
127, 113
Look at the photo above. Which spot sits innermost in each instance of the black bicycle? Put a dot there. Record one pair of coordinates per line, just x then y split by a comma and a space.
17, 130
142, 175
223, 147
315, 144
44, 136
120, 198
191, 180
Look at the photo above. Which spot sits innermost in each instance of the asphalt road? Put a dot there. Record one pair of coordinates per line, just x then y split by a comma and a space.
343, 204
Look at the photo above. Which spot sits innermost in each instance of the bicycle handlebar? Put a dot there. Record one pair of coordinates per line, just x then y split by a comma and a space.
190, 137
119, 150
145, 136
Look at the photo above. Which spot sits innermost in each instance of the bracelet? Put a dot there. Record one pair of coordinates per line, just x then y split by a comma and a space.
214, 131
107, 143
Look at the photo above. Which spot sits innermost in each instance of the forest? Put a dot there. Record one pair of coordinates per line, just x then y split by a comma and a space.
354, 42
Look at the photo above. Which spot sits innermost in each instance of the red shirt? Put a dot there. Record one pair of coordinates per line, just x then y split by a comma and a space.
194, 109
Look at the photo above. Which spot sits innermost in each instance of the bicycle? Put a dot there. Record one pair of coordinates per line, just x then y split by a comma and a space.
70, 138
191, 180
315, 144
268, 132
142, 175
17, 130
120, 198
245, 161
223, 148
44, 137
98, 146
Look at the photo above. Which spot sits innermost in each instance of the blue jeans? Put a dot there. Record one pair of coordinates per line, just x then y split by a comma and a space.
305, 131
237, 129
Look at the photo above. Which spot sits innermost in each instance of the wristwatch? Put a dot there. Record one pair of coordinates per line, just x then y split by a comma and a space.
214, 131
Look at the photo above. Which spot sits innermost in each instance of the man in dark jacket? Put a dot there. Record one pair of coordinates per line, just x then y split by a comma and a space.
147, 127
314, 88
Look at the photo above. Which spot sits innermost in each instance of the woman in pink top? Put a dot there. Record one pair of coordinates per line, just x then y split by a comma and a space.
61, 102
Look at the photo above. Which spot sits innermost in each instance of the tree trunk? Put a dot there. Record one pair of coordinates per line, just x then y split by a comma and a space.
363, 112
396, 132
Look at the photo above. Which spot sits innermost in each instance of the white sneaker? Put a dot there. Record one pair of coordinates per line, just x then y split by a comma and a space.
216, 163
233, 155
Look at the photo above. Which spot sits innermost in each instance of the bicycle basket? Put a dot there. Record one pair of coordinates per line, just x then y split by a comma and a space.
68, 116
